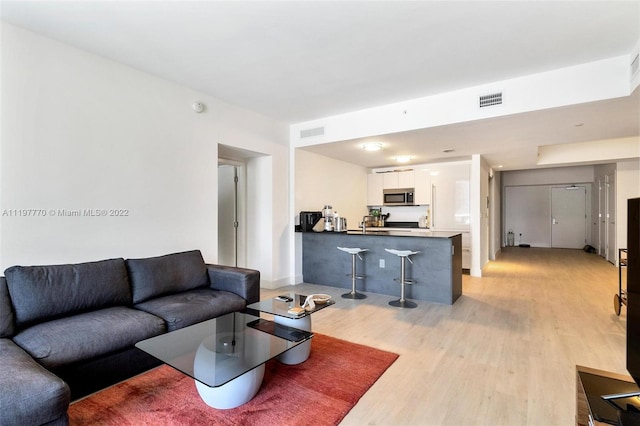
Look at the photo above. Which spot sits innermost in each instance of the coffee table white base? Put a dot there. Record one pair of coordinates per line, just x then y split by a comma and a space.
234, 393
301, 352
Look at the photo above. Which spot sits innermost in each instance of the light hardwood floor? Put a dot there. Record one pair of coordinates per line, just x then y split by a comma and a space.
503, 354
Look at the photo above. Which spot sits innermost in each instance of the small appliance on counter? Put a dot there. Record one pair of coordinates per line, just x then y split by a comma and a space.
339, 223
308, 220
423, 222
327, 213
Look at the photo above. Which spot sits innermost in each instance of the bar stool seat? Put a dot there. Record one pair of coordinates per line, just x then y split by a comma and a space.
354, 251
403, 254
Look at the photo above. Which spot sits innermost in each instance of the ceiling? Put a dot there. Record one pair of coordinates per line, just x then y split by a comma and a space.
296, 61
507, 142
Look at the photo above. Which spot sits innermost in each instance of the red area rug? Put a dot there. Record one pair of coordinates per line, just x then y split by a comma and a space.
320, 391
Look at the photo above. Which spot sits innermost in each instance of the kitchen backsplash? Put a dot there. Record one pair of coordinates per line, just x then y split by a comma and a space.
405, 213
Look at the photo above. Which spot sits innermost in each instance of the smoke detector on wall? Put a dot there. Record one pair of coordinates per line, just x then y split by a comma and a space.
198, 107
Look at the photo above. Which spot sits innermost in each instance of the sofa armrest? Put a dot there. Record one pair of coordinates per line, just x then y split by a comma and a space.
243, 282
30, 394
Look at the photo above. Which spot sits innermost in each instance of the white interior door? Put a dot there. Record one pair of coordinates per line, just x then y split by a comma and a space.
231, 214
227, 221
611, 219
602, 215
568, 217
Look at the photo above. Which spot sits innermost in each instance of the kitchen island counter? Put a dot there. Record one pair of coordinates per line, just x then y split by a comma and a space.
437, 269
404, 233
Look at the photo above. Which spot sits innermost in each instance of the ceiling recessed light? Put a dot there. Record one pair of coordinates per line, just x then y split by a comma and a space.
372, 146
403, 158
448, 150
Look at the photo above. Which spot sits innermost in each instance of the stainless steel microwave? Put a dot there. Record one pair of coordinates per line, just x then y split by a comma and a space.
397, 197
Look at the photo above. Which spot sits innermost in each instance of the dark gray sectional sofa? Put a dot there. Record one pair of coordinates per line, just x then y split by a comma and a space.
69, 330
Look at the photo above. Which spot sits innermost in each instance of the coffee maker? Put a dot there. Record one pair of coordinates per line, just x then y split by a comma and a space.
308, 220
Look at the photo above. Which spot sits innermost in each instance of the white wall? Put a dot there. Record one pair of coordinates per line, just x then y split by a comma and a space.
526, 201
527, 213
321, 180
635, 78
627, 186
481, 231
83, 132
549, 176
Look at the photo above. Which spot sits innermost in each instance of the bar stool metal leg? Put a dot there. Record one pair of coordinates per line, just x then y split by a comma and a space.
353, 294
403, 302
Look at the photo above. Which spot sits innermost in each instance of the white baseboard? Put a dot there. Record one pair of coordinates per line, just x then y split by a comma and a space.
282, 282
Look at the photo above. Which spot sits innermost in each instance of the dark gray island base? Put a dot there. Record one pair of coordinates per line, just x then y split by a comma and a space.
437, 269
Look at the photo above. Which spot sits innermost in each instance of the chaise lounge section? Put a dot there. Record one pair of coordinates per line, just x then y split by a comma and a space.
69, 330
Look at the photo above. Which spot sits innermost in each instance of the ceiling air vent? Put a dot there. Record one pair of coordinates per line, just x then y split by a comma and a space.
491, 100
309, 133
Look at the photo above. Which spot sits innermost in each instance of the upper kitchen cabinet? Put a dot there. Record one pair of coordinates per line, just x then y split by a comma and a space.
374, 189
422, 185
406, 179
376, 182
390, 180
393, 180
450, 186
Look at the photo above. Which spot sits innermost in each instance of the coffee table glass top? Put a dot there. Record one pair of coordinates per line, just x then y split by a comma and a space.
276, 307
219, 350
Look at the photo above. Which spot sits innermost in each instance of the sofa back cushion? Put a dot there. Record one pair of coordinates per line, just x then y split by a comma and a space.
173, 273
40, 293
6, 312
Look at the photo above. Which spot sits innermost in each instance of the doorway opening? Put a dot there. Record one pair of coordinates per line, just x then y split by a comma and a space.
231, 213
241, 235
569, 217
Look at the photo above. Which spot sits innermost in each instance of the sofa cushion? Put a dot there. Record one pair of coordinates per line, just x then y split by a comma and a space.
31, 395
41, 293
7, 325
61, 342
183, 309
173, 273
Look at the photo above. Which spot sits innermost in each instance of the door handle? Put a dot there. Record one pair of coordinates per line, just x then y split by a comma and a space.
554, 221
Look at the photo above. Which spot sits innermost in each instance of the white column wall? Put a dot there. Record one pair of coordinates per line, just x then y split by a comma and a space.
627, 186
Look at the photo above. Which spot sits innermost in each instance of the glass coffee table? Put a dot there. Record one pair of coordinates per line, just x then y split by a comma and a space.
226, 355
279, 309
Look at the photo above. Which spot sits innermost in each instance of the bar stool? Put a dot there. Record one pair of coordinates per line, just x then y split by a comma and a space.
354, 252
403, 254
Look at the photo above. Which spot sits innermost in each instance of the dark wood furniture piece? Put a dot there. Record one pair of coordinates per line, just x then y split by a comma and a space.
590, 385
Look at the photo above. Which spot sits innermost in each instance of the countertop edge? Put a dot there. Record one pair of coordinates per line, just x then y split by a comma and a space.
426, 234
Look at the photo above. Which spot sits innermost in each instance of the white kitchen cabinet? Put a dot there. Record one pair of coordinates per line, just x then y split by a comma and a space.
393, 180
450, 208
422, 185
406, 179
390, 180
374, 189
466, 250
